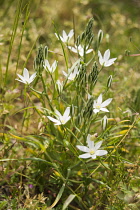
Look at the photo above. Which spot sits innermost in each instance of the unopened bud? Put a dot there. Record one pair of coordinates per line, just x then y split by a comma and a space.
109, 82
104, 122
100, 36
59, 86
107, 37
45, 52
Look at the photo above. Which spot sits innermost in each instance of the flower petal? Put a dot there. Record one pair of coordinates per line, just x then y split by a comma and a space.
53, 119
65, 74
54, 65
99, 54
21, 81
89, 142
47, 64
104, 109
66, 120
71, 33
88, 51
21, 77
96, 110
66, 113
101, 152
26, 74
107, 55
72, 49
32, 77
99, 99
93, 156
106, 102
56, 35
88, 137
108, 63
98, 144
112, 60
58, 114
83, 148
86, 155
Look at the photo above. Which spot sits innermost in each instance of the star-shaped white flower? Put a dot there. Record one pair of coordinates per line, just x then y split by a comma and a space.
92, 150
61, 119
99, 105
79, 49
65, 37
49, 68
71, 74
26, 79
104, 60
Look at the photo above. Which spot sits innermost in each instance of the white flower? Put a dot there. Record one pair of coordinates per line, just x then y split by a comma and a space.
92, 150
99, 105
79, 49
104, 60
47, 66
61, 119
71, 74
25, 78
65, 38
59, 85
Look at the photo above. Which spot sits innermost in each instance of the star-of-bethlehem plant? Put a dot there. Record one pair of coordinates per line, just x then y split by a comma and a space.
73, 95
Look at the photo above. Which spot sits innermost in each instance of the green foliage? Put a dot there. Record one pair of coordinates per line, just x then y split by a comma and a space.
40, 164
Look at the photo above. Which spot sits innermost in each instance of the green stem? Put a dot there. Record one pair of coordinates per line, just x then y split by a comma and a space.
45, 93
20, 44
17, 17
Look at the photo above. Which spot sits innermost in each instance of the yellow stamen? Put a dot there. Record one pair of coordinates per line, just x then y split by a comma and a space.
91, 152
62, 121
98, 107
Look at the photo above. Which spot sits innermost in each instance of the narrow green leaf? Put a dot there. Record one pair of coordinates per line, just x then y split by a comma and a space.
58, 197
68, 201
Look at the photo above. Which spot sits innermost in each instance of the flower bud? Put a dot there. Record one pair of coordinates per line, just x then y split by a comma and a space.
109, 82
59, 86
100, 36
104, 122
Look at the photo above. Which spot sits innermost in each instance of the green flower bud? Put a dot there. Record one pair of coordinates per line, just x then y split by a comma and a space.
109, 82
